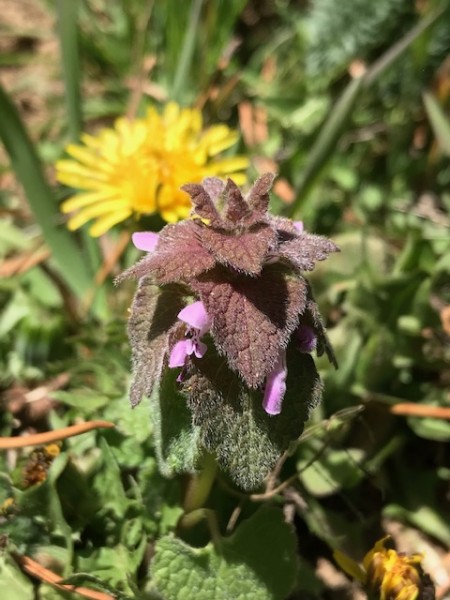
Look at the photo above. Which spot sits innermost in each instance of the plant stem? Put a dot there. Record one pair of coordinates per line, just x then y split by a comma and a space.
200, 485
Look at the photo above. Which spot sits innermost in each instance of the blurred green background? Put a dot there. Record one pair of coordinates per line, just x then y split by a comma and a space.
350, 104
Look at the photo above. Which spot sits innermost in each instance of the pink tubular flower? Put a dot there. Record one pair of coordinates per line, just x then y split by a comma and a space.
298, 226
276, 380
145, 240
306, 338
196, 317
275, 386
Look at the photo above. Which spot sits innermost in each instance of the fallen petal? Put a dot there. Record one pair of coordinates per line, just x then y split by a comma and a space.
145, 240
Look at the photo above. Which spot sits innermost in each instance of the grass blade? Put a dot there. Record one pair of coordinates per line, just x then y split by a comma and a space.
439, 122
328, 138
27, 168
71, 71
187, 51
68, 39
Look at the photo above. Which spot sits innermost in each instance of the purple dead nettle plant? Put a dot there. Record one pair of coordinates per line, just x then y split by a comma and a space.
223, 303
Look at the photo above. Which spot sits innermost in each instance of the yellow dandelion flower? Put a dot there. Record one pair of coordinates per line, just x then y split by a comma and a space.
137, 167
387, 574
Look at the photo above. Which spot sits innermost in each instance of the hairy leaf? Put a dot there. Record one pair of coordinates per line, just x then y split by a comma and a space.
313, 318
237, 208
252, 317
179, 256
233, 425
213, 187
306, 249
245, 252
203, 204
257, 562
153, 314
258, 198
176, 438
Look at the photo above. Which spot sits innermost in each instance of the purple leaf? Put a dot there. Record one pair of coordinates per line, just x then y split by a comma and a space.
179, 256
237, 208
245, 252
306, 249
252, 318
213, 187
203, 205
258, 198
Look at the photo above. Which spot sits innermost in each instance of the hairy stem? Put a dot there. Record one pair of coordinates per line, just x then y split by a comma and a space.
200, 485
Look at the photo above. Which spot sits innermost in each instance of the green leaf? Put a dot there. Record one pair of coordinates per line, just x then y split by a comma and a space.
375, 367
108, 485
334, 470
153, 314
187, 50
108, 567
440, 123
14, 585
431, 429
258, 562
176, 439
233, 424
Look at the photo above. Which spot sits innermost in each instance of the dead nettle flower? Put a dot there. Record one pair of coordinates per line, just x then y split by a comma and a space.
237, 275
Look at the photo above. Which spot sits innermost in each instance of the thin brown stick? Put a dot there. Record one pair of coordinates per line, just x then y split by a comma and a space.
410, 409
34, 569
23, 262
37, 439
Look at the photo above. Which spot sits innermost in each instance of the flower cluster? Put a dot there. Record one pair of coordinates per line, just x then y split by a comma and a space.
241, 271
389, 575
138, 166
